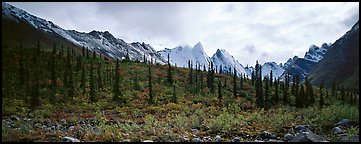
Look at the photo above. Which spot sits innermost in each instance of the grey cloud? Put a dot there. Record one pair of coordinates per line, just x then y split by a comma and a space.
250, 48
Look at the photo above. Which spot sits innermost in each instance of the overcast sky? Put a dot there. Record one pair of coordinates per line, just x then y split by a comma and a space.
248, 31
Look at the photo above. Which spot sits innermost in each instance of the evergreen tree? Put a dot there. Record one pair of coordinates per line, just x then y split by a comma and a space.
297, 95
258, 84
271, 79
276, 96
190, 74
83, 78
219, 90
321, 102
145, 60
66, 70
252, 77
266, 94
92, 81
83, 50
309, 92
234, 83
170, 79
212, 78
174, 97
151, 98
302, 97
117, 94
100, 83
285, 90
241, 83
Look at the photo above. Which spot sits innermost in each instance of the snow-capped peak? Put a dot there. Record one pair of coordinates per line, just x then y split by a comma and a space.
277, 70
316, 53
228, 62
181, 54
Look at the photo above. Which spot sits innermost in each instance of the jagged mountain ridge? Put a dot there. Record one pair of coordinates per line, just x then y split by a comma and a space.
102, 42
303, 66
180, 55
341, 62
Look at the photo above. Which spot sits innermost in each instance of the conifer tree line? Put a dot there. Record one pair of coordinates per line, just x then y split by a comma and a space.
69, 74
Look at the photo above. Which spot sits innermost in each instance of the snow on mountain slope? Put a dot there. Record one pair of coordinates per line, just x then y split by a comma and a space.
277, 70
180, 55
101, 42
228, 62
316, 53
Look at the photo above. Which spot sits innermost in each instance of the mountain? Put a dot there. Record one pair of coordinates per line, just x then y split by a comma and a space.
180, 55
228, 62
341, 62
102, 42
303, 66
277, 70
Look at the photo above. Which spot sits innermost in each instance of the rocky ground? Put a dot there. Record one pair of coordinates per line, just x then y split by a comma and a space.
298, 133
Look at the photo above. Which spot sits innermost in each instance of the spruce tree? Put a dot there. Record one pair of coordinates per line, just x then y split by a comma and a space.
92, 82
276, 96
234, 83
258, 84
83, 78
21, 68
285, 90
151, 97
170, 79
333, 90
174, 97
253, 77
212, 78
266, 94
303, 101
100, 83
117, 94
219, 90
241, 83
271, 79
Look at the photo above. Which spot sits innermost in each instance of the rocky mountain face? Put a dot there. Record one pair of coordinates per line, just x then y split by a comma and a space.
303, 66
101, 42
341, 62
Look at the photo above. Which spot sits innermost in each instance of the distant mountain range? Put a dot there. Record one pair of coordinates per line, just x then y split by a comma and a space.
337, 61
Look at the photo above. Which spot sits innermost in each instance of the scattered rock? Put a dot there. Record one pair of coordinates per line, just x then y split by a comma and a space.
70, 139
307, 137
236, 139
337, 130
194, 130
217, 139
197, 140
354, 139
288, 137
147, 141
126, 140
207, 139
258, 140
265, 135
345, 123
273, 137
14, 118
301, 128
